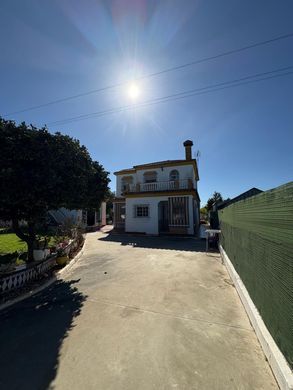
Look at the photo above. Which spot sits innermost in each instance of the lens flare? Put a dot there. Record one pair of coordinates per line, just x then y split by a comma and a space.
133, 91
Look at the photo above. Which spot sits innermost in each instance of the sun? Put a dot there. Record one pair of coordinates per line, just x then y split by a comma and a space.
133, 91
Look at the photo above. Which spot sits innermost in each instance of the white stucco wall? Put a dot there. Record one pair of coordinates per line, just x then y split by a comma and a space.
163, 174
100, 215
150, 224
103, 213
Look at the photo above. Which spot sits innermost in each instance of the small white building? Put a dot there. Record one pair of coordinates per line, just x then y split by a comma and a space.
159, 197
80, 217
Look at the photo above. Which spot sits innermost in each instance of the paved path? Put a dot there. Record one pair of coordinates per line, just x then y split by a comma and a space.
135, 313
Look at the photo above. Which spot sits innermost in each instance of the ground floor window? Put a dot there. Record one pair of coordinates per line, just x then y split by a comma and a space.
141, 210
178, 211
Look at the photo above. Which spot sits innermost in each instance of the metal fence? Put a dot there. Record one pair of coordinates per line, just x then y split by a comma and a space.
257, 235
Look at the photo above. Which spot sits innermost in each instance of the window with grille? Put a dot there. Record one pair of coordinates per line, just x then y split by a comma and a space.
174, 175
178, 211
150, 177
141, 211
126, 182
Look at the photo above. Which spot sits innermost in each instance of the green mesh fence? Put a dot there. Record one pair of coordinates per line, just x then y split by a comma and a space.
257, 235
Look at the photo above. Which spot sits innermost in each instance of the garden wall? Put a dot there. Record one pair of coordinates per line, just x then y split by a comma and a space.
17, 279
257, 235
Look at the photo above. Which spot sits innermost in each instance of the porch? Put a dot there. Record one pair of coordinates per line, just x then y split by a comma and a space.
156, 215
158, 186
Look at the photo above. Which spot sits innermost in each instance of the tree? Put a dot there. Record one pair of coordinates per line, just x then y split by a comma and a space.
216, 197
203, 213
40, 171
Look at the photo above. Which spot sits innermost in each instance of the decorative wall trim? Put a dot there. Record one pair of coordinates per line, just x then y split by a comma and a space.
17, 279
56, 276
160, 193
170, 163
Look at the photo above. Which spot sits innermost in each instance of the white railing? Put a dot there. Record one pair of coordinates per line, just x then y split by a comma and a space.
171, 185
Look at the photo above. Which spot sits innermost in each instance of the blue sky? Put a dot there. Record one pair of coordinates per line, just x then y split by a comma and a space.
57, 48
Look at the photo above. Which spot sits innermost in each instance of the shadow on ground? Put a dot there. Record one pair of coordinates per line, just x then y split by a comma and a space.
190, 244
31, 334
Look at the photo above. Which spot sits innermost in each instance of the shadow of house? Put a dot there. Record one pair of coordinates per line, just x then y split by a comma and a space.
31, 335
190, 244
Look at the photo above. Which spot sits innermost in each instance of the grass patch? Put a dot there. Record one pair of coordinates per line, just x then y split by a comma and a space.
10, 243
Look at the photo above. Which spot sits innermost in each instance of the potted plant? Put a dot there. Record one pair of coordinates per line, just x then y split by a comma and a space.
53, 249
40, 246
47, 252
62, 258
20, 262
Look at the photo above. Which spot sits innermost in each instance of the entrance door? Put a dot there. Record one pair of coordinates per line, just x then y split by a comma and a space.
91, 217
163, 217
119, 215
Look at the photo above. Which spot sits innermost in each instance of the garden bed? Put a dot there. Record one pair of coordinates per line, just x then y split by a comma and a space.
13, 251
14, 284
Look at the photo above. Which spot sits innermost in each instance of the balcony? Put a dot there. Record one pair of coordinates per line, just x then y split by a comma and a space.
171, 185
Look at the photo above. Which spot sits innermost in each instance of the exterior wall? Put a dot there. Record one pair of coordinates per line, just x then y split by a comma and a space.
190, 230
103, 213
150, 224
196, 217
79, 217
63, 214
100, 215
163, 174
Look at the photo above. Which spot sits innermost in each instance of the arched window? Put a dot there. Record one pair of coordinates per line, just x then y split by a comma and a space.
174, 175
126, 181
150, 177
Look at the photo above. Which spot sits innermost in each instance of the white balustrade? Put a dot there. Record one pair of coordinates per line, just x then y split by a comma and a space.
171, 185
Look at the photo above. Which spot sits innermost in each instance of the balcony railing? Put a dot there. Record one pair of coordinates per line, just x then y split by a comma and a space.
171, 185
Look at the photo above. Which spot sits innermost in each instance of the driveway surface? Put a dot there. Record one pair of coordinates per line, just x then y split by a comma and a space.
134, 313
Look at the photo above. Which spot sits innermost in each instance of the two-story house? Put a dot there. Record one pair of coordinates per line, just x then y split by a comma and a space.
159, 197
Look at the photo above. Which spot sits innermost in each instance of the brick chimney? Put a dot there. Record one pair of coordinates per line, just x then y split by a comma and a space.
188, 149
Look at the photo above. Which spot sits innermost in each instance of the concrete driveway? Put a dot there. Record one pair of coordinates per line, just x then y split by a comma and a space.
135, 313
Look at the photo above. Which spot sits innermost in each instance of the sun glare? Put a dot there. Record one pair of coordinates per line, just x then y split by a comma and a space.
133, 91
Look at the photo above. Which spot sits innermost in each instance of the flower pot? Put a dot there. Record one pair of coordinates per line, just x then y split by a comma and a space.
62, 260
39, 254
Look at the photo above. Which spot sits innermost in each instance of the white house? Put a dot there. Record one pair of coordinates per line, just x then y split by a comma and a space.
159, 197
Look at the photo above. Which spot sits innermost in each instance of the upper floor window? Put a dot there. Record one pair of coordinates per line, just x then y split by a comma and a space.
174, 175
150, 177
126, 181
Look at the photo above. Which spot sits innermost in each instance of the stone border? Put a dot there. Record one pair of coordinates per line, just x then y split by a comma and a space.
276, 359
17, 279
48, 283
